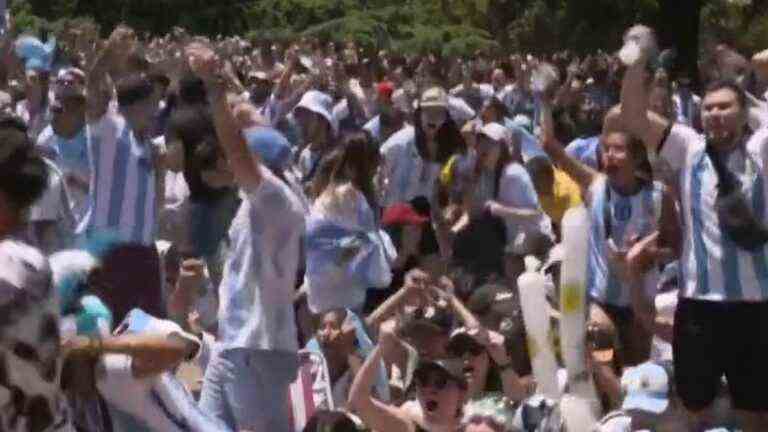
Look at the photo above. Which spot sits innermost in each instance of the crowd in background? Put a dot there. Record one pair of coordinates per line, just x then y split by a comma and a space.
229, 235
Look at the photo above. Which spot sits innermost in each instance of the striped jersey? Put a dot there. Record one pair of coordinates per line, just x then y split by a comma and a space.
122, 195
620, 217
712, 266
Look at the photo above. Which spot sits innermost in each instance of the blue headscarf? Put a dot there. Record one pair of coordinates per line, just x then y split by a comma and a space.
37, 56
71, 270
365, 346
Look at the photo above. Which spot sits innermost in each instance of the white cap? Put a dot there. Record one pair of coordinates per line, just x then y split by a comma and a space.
646, 387
319, 103
496, 132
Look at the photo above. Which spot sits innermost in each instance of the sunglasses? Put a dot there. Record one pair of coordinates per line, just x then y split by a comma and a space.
437, 381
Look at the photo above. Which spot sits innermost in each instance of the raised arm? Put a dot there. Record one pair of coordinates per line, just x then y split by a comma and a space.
580, 173
121, 42
634, 94
285, 78
377, 415
152, 353
414, 280
245, 166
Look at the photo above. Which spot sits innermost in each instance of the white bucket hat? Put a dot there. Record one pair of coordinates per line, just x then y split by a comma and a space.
319, 103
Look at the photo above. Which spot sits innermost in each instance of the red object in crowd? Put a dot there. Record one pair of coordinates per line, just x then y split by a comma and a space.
385, 90
402, 214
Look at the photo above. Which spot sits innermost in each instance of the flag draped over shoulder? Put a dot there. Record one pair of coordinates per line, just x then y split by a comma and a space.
343, 262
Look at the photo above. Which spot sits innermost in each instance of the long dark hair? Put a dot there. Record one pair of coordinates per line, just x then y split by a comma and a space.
354, 162
449, 139
505, 158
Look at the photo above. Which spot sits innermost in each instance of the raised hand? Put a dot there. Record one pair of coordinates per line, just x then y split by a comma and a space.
639, 45
203, 61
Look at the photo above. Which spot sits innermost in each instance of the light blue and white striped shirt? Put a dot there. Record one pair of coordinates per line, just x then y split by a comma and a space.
635, 215
713, 268
122, 196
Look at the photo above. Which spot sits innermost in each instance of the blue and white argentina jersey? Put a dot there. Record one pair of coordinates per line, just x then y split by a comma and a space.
712, 266
629, 216
122, 188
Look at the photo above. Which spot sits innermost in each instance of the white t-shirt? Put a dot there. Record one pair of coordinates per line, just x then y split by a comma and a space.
712, 266
256, 291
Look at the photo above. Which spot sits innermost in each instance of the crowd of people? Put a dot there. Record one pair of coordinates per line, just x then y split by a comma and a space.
226, 235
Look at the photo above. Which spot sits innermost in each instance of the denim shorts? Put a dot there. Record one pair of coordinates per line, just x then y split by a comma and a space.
248, 388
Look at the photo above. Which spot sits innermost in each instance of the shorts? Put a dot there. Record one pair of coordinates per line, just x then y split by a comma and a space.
712, 339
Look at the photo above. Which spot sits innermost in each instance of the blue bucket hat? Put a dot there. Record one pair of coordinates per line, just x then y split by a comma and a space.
272, 146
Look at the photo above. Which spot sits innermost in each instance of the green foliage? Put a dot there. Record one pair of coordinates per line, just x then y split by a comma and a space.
742, 24
456, 27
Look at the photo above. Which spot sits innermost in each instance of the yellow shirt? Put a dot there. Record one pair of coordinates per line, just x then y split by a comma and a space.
565, 194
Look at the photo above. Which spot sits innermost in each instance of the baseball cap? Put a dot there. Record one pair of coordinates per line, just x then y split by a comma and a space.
319, 103
496, 132
270, 145
385, 89
434, 97
646, 387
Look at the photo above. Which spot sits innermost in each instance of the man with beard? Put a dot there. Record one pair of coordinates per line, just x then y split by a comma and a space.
724, 290
65, 140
